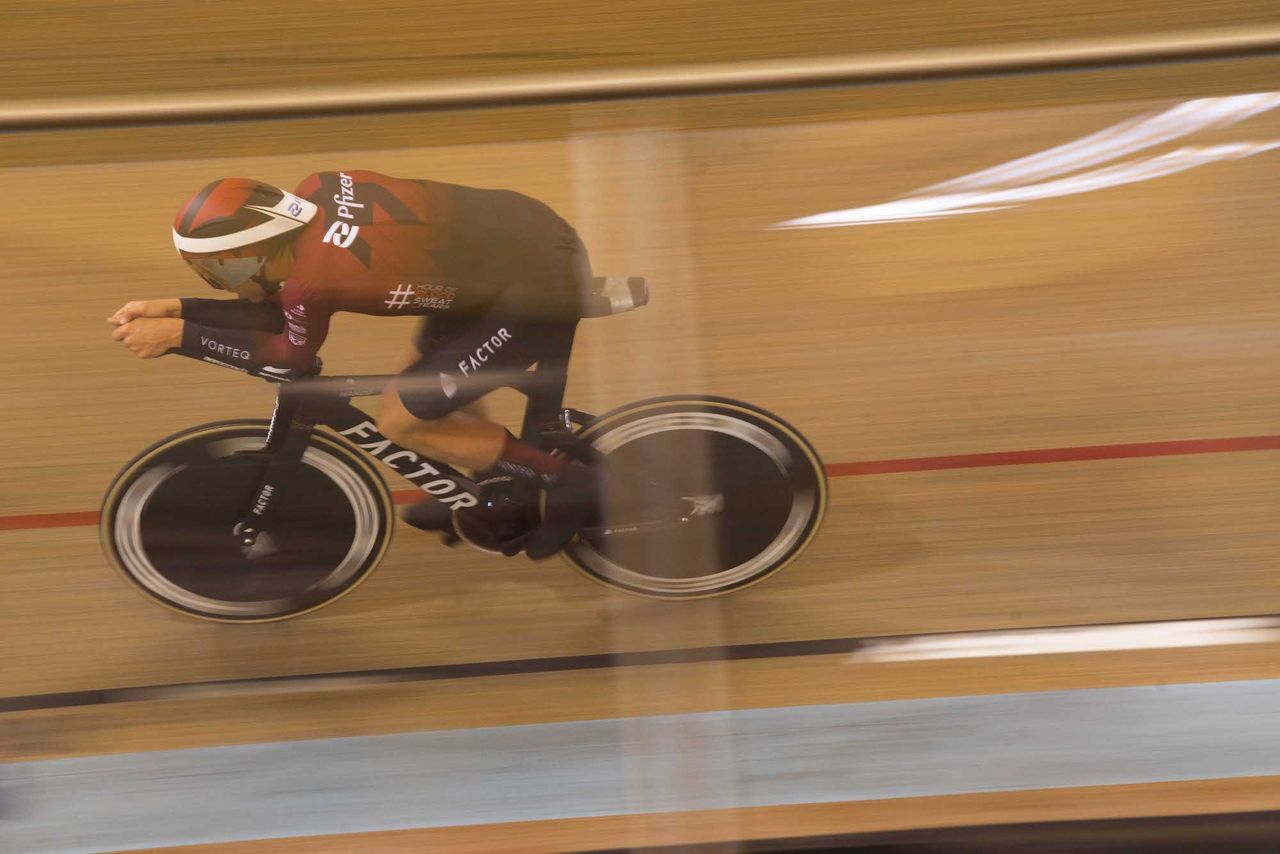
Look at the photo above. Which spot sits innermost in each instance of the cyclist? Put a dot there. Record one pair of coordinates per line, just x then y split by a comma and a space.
496, 273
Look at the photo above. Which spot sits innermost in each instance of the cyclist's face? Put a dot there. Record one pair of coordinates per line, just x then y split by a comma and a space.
251, 291
227, 273
277, 267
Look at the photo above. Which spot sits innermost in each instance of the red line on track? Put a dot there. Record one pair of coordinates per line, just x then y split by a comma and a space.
1059, 455
1132, 450
48, 520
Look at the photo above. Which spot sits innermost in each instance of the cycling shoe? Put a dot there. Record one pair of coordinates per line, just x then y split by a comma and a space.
572, 501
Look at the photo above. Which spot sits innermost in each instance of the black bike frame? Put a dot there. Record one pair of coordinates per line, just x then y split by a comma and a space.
303, 404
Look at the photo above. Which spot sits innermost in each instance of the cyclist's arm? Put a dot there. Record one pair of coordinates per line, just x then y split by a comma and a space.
228, 313
233, 314
153, 308
305, 322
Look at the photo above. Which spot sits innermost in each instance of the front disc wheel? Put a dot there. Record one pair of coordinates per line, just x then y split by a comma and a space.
168, 518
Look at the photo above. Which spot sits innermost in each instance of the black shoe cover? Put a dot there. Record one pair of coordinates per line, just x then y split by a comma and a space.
572, 501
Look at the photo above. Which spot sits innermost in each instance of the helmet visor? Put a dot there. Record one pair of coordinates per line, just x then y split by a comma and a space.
227, 273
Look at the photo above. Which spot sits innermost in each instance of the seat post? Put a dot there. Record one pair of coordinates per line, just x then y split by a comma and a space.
547, 385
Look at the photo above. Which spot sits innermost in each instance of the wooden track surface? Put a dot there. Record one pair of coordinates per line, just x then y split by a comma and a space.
86, 48
1135, 314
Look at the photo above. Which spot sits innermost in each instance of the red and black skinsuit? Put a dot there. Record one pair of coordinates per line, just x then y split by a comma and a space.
499, 274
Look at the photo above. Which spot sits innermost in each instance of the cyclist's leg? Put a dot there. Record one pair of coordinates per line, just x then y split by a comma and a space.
421, 409
460, 424
415, 412
462, 362
465, 430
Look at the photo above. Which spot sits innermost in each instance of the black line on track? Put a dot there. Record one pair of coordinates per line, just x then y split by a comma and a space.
432, 672
516, 666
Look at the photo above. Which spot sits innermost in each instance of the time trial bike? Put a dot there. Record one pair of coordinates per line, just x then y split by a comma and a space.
252, 520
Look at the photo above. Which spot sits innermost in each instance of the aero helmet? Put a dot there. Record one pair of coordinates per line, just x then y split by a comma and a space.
228, 230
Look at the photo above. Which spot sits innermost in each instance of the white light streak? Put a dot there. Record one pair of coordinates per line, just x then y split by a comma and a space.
1005, 186
1115, 638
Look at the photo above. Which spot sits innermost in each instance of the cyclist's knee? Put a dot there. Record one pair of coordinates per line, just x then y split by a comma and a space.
403, 427
419, 399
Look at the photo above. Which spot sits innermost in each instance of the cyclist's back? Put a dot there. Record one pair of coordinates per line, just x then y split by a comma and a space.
384, 245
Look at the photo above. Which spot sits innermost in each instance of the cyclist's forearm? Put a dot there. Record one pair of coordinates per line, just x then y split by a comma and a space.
164, 308
234, 346
233, 314
152, 308
243, 347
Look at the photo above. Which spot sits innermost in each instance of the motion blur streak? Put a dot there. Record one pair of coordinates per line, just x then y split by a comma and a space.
1167, 635
1118, 140
978, 193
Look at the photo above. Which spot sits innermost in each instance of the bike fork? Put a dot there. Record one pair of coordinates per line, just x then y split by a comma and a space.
287, 440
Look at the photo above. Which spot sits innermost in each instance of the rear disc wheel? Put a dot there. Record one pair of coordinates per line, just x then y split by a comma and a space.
704, 496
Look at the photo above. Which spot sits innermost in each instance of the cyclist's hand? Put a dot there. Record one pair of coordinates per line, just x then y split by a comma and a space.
150, 337
145, 308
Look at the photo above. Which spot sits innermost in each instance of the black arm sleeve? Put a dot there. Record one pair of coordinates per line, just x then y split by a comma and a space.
234, 346
234, 314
